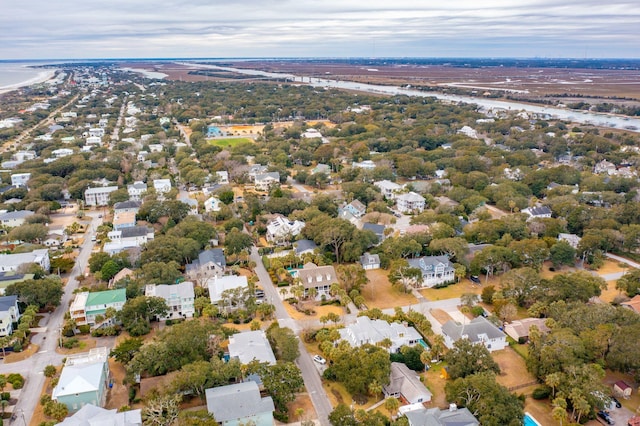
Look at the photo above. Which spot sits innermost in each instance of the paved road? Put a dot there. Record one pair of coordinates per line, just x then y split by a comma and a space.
115, 135
624, 260
32, 367
310, 374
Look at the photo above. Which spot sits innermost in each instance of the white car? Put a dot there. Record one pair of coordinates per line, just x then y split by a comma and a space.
319, 359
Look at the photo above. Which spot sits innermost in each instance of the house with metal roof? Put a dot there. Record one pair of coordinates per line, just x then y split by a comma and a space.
87, 306
90, 415
218, 285
356, 208
435, 270
405, 384
84, 380
12, 262
179, 298
373, 331
251, 345
479, 330
241, 403
454, 416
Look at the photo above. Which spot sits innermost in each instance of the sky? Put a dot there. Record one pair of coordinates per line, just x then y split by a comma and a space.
77, 29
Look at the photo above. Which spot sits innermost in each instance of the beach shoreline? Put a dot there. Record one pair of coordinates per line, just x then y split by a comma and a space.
43, 76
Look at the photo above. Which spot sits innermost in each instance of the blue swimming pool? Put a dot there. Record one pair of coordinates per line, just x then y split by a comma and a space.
530, 421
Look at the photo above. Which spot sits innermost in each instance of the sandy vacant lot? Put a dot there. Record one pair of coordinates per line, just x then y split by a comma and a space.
379, 293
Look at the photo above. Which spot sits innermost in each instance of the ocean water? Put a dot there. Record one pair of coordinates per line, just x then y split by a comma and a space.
17, 73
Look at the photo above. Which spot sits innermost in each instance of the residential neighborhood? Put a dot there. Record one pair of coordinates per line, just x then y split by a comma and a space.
228, 252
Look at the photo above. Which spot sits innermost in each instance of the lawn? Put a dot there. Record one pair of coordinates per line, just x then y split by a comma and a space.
456, 290
513, 370
229, 142
379, 293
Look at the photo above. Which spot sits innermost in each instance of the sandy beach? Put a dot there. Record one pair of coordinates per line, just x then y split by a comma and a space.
45, 75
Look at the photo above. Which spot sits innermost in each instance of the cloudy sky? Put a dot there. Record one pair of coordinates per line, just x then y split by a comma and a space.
38, 29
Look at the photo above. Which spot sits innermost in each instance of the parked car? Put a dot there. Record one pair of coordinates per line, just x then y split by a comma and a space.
615, 401
319, 359
605, 416
475, 279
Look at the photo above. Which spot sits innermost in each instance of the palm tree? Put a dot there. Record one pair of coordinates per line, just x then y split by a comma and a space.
391, 404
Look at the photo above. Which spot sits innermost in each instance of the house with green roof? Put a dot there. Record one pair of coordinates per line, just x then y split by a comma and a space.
87, 306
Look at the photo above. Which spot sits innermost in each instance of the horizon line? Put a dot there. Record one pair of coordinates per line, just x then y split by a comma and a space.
191, 58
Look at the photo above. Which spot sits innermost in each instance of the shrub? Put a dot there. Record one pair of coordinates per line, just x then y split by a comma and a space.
44, 399
16, 380
282, 417
477, 311
132, 394
541, 392
71, 343
5, 396
84, 329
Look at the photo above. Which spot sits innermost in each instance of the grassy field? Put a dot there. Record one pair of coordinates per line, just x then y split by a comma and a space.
229, 142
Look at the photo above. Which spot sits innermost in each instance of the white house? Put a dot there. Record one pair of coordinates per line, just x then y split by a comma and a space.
14, 218
179, 298
127, 207
251, 345
479, 330
218, 285
405, 383
370, 261
410, 202
435, 270
127, 238
373, 331
256, 170
223, 177
91, 415
162, 186
265, 181
212, 204
20, 179
388, 189
94, 140
538, 212
572, 239
98, 196
136, 190
62, 152
366, 164
12, 262
318, 277
96, 132
280, 230
210, 263
9, 314
155, 147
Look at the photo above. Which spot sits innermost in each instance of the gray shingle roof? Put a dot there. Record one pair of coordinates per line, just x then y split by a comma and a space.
6, 302
215, 255
473, 330
127, 205
135, 231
